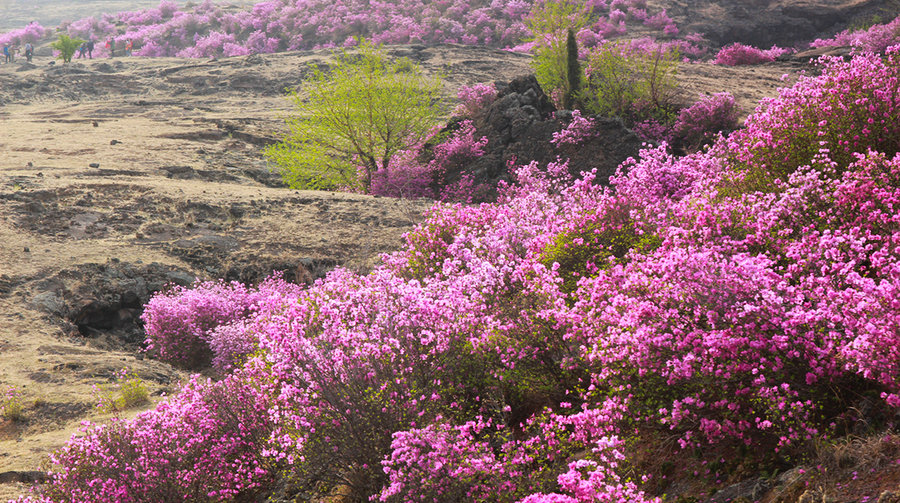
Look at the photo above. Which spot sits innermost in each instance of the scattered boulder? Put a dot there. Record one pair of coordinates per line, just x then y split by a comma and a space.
813, 54
812, 496
179, 172
610, 144
746, 491
26, 477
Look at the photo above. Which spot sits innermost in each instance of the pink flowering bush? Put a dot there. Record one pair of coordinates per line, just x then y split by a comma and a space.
182, 323
414, 176
740, 54
853, 107
481, 460
598, 479
204, 444
32, 33
528, 350
877, 38
700, 123
451, 160
474, 99
177, 322
577, 131
207, 30
661, 21
693, 46
408, 178
91, 28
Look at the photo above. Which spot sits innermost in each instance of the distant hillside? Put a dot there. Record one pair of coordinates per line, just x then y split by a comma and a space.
18, 13
766, 22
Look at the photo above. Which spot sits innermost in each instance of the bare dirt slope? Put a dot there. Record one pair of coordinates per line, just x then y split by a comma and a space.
120, 176
766, 22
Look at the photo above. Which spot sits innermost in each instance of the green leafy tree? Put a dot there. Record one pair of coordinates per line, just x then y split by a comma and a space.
353, 120
550, 22
66, 46
634, 84
573, 71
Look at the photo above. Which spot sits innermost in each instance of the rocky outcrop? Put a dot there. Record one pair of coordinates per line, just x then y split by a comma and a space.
105, 299
26, 477
520, 125
611, 143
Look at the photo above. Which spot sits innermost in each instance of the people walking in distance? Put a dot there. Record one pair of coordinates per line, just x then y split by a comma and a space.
111, 45
7, 56
29, 51
90, 49
129, 46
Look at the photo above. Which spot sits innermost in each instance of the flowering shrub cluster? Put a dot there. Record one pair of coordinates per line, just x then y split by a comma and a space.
522, 351
206, 444
192, 327
877, 38
693, 45
474, 99
208, 30
408, 178
90, 28
853, 107
577, 131
412, 176
33, 32
698, 124
740, 54
451, 158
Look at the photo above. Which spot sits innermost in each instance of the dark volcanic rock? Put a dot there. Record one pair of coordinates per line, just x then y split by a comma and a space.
519, 126
611, 144
93, 299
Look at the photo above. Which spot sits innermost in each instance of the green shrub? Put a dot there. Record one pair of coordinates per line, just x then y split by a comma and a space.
353, 121
634, 84
550, 22
132, 391
66, 46
11, 407
591, 242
